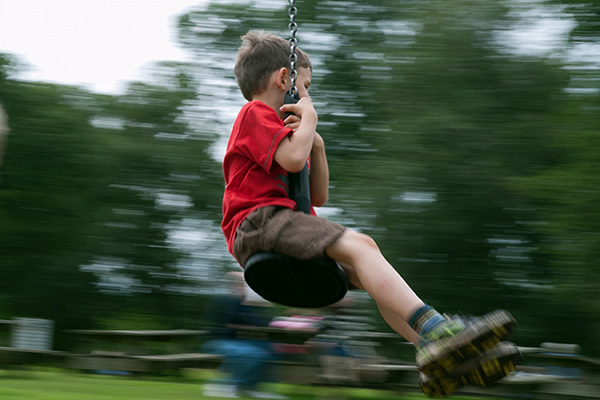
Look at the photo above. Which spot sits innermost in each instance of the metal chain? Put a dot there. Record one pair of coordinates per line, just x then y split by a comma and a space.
293, 44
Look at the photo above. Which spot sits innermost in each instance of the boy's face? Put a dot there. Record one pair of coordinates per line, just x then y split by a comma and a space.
303, 81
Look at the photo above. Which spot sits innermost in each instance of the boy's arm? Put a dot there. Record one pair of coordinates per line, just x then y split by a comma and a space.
293, 151
319, 173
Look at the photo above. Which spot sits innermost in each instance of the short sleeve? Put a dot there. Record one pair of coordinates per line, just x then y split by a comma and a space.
263, 131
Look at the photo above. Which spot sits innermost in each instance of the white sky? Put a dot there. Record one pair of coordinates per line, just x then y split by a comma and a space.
101, 44
96, 43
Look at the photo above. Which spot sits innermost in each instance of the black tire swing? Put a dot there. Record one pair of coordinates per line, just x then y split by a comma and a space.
286, 280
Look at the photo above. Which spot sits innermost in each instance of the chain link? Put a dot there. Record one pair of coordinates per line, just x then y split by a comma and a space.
293, 44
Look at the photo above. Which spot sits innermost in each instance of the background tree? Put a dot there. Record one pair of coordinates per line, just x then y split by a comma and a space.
469, 154
92, 188
436, 124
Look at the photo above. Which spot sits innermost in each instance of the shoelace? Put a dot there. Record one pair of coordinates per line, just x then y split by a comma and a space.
449, 329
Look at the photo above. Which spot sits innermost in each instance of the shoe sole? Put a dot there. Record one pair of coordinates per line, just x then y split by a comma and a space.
483, 335
483, 371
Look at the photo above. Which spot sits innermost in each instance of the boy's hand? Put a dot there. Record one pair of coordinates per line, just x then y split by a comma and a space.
294, 150
292, 122
303, 108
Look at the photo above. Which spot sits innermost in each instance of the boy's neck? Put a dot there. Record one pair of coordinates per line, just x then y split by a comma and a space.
272, 99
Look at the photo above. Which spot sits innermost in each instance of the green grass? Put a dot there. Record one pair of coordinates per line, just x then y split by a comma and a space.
61, 385
53, 385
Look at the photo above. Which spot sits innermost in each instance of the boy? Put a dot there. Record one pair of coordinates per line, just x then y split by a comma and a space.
258, 215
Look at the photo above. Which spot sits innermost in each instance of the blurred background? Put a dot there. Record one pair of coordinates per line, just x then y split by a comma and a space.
463, 136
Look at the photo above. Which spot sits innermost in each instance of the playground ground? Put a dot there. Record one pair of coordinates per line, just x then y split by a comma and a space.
56, 384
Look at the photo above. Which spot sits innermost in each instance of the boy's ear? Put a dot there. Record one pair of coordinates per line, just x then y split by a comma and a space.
282, 78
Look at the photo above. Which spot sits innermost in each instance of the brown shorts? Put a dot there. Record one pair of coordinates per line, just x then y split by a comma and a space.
282, 230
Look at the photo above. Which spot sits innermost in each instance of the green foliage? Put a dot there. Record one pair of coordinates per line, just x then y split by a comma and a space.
86, 195
441, 140
472, 163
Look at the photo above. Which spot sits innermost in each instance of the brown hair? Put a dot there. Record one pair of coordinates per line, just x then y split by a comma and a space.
259, 56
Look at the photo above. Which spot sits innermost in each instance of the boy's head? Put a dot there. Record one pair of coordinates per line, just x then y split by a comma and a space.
259, 56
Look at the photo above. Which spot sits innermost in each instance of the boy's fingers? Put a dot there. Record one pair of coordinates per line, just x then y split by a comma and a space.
287, 107
290, 119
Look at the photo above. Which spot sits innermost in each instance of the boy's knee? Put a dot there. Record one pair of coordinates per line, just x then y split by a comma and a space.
362, 240
350, 246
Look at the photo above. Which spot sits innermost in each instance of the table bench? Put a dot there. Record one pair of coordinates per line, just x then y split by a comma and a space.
120, 362
15, 356
131, 350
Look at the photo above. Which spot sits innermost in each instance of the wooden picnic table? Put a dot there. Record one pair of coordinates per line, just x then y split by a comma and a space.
135, 342
138, 350
120, 335
553, 370
132, 350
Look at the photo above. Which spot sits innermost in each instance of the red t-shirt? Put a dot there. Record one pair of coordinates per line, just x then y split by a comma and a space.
252, 176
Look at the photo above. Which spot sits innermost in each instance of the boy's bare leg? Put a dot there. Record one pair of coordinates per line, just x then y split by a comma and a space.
442, 362
399, 325
375, 274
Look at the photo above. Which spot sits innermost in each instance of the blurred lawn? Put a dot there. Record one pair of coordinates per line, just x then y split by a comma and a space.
59, 385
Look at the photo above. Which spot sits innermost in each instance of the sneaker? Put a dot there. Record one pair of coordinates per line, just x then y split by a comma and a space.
456, 340
484, 371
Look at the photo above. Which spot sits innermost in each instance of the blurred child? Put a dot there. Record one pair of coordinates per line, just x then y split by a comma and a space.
246, 355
